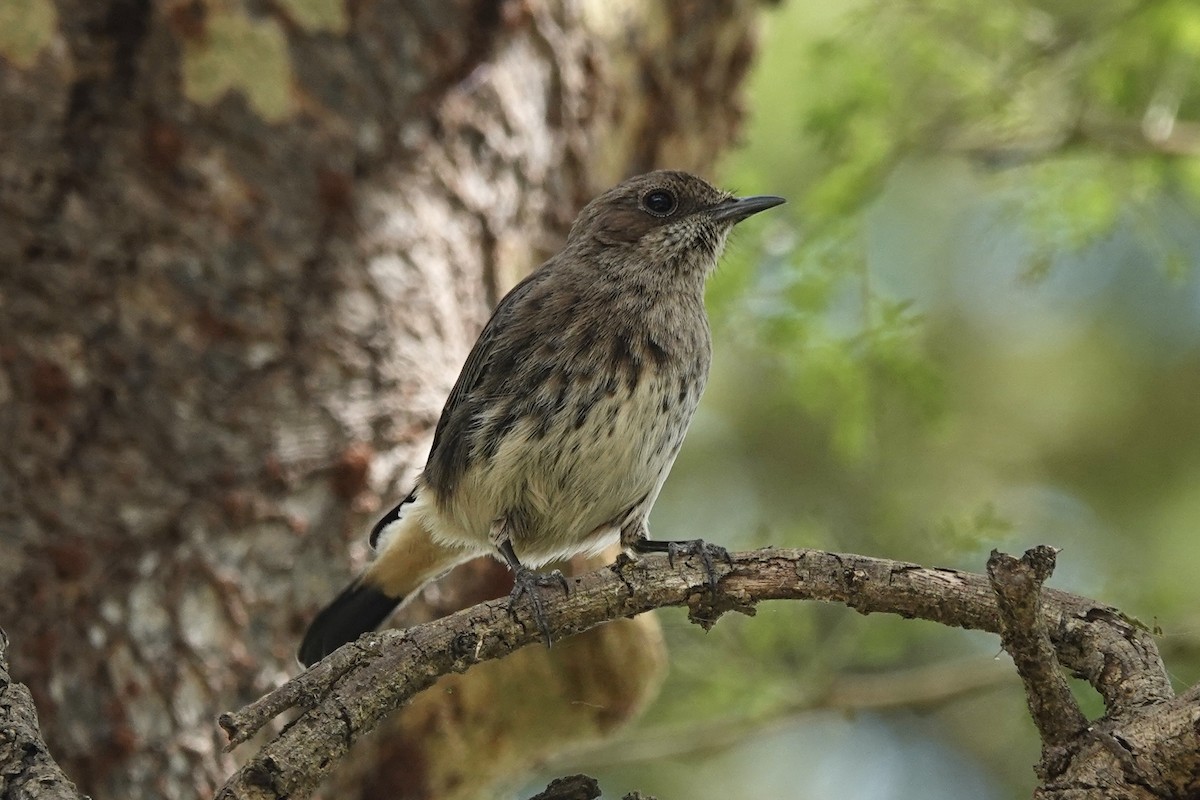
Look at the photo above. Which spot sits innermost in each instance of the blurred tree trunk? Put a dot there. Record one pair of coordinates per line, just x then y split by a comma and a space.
244, 250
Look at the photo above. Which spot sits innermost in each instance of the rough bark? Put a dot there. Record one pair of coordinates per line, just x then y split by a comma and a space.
1145, 745
27, 769
243, 251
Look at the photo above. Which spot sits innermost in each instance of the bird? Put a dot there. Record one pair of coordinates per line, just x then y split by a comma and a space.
569, 411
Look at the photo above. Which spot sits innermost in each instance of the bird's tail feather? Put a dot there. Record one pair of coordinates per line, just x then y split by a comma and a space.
408, 558
358, 609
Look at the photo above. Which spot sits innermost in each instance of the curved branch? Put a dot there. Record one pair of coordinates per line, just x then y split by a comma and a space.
346, 695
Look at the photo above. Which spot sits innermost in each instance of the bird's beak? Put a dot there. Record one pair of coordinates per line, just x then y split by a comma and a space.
737, 209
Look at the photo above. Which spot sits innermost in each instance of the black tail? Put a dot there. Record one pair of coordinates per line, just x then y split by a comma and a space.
358, 609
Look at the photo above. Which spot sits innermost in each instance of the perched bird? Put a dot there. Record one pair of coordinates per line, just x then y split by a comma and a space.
570, 409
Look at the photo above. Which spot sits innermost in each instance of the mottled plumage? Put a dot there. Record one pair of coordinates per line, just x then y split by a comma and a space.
571, 406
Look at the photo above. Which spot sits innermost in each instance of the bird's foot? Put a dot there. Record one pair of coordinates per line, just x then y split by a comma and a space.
528, 582
709, 555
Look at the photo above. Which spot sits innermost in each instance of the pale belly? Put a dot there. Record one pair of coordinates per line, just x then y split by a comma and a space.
570, 491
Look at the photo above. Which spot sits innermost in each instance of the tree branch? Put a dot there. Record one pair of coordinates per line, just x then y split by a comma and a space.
572, 787
1018, 587
27, 770
346, 695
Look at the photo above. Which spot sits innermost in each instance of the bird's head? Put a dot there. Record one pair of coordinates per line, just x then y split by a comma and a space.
667, 220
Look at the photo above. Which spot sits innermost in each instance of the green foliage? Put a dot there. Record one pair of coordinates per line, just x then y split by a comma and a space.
27, 28
244, 54
975, 325
1053, 101
972, 531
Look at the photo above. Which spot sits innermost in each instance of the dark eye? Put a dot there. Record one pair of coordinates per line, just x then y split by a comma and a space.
659, 202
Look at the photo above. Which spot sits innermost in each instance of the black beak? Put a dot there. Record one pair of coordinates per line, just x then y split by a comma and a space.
738, 208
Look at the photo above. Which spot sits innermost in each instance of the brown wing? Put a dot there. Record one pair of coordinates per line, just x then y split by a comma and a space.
489, 372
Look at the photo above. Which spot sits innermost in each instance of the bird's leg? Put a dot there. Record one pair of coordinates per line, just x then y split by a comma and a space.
633, 537
525, 580
632, 532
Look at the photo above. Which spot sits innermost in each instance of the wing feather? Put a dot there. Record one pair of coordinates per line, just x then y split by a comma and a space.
489, 371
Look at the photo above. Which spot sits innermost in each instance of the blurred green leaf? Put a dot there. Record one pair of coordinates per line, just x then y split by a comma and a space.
975, 325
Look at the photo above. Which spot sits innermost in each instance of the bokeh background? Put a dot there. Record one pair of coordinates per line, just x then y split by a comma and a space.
245, 246
975, 325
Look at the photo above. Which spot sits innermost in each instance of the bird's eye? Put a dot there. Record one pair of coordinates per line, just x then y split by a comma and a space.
659, 202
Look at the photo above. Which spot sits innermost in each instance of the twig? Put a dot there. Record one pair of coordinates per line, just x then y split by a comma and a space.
303, 691
1018, 587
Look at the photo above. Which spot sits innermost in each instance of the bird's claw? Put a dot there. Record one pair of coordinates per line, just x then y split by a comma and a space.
708, 554
528, 582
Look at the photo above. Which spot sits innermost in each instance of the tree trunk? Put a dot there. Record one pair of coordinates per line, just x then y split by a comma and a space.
244, 252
